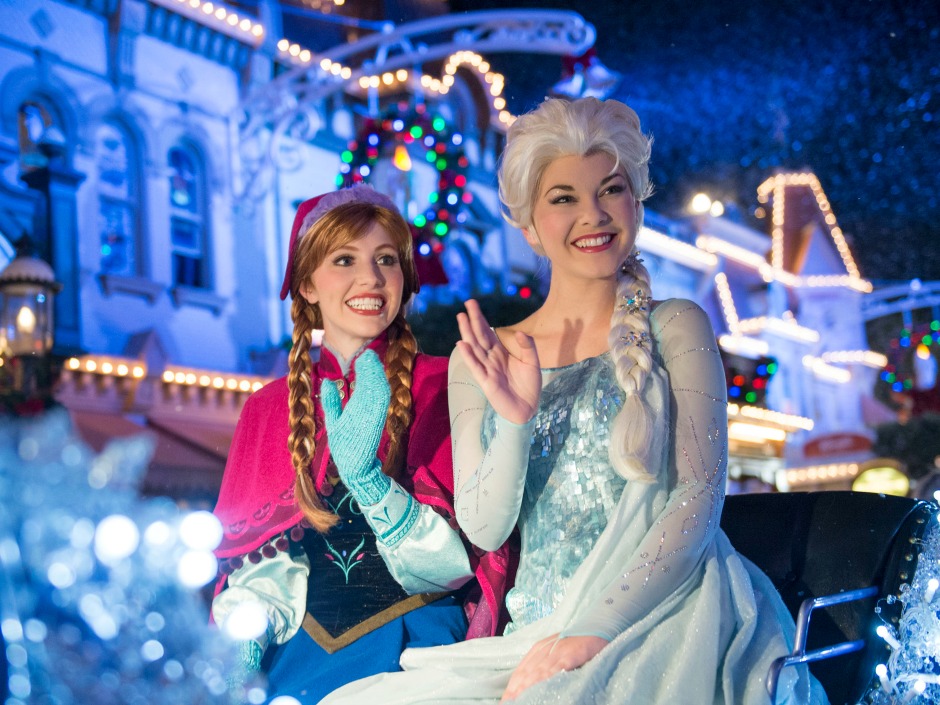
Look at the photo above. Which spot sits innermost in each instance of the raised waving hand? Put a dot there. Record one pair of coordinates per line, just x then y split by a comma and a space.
512, 385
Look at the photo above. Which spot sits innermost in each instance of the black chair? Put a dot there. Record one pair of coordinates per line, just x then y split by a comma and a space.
832, 556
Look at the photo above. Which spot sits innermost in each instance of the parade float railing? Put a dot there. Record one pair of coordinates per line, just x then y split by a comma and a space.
840, 558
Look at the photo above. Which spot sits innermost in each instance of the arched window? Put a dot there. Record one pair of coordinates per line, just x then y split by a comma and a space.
118, 201
188, 218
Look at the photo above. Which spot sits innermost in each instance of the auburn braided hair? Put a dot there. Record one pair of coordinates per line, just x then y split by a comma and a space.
341, 225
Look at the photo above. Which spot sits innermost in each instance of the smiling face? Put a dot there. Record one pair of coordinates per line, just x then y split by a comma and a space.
584, 218
358, 289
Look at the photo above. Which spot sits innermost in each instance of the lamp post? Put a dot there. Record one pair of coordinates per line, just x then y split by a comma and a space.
27, 292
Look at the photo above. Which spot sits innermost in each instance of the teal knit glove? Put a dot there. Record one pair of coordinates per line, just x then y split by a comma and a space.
354, 432
247, 667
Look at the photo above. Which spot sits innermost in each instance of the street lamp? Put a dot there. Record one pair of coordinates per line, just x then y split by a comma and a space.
27, 290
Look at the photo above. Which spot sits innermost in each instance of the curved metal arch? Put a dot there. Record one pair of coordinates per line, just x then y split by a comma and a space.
531, 31
288, 105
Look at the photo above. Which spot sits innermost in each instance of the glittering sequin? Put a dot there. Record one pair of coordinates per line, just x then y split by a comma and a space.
571, 487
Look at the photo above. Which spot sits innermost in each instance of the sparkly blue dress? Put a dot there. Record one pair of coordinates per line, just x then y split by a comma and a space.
643, 565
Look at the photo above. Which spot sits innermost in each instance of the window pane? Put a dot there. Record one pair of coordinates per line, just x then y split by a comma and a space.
187, 271
183, 180
111, 155
184, 234
117, 240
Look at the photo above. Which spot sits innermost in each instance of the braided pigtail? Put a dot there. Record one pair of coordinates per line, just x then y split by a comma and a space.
399, 366
630, 346
302, 419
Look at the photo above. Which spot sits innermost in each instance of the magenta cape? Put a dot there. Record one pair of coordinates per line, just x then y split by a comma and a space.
256, 501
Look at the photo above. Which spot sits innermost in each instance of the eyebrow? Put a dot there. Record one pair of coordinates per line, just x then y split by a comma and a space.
566, 187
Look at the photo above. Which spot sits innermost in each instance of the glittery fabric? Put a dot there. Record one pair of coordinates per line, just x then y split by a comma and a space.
570, 486
689, 620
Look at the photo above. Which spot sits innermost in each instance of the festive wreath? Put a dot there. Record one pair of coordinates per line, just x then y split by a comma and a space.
404, 132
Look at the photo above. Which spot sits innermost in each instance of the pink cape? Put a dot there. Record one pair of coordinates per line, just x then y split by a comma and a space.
256, 501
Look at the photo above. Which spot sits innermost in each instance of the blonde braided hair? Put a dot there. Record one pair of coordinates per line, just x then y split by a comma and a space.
629, 341
584, 127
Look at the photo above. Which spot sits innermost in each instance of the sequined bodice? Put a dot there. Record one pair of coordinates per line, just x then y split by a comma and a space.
570, 486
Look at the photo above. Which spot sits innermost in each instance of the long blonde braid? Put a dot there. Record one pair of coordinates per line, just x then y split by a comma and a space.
630, 347
303, 427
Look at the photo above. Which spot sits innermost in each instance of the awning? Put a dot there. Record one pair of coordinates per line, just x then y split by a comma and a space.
188, 460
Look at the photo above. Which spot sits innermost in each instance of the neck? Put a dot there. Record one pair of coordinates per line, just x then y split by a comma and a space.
574, 322
345, 362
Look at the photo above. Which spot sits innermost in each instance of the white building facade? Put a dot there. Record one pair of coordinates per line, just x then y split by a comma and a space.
155, 151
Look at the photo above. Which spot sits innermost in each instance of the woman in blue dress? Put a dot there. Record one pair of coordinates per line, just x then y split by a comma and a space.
599, 425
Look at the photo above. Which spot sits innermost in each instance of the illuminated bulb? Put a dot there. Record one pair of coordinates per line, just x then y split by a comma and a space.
91, 365
157, 534
221, 13
116, 538
257, 30
196, 568
73, 363
201, 531
26, 320
883, 632
700, 203
402, 160
180, 377
283, 45
247, 621
190, 378
208, 8
205, 380
138, 372
218, 383
106, 368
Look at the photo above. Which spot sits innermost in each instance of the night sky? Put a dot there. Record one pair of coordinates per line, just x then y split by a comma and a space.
732, 91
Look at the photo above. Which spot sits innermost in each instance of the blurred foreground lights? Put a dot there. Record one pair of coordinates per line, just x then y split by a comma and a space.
285, 700
201, 531
157, 534
152, 650
256, 696
196, 568
116, 538
247, 621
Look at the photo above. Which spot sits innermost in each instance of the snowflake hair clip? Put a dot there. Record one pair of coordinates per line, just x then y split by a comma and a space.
634, 338
636, 303
630, 262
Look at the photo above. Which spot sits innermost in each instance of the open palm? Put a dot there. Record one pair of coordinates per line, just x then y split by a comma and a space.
512, 385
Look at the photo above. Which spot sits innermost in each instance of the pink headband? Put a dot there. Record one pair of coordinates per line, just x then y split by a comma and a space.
311, 210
